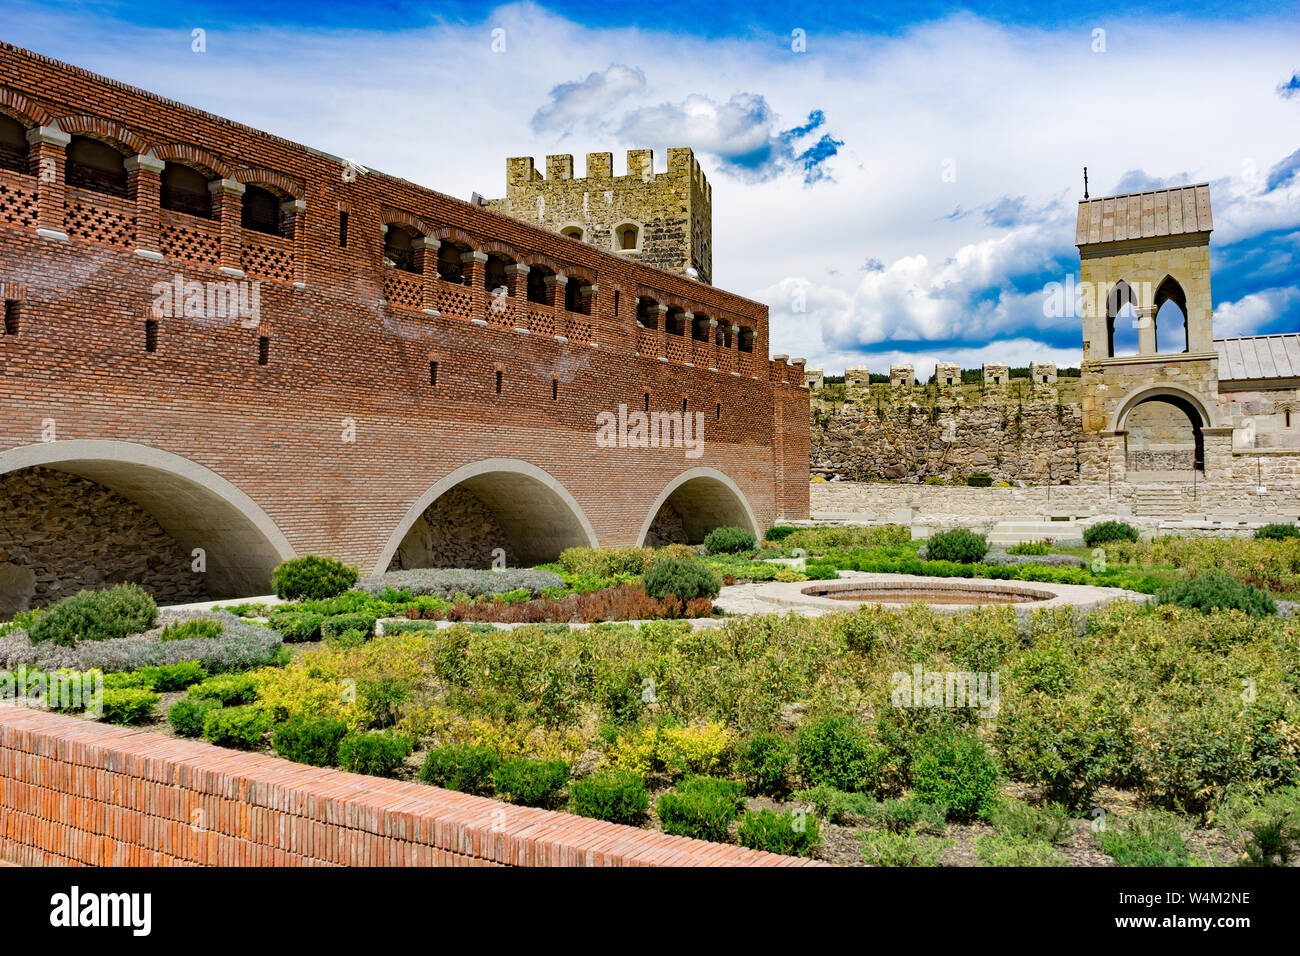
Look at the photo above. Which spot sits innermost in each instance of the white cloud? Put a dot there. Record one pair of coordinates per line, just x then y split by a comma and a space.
590, 100
1252, 312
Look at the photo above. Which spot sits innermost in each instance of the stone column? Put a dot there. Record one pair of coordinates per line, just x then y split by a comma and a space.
47, 156
228, 195
426, 260
293, 219
660, 312
474, 264
588, 292
688, 335
143, 184
713, 345
555, 289
517, 280
1146, 330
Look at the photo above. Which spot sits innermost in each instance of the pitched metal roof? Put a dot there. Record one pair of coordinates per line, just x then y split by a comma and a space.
1157, 212
1259, 356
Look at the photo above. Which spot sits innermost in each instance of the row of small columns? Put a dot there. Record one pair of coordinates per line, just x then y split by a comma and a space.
143, 188
660, 312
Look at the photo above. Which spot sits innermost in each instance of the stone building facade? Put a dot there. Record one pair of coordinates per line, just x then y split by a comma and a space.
270, 351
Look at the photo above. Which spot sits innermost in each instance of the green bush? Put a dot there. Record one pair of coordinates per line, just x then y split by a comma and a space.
790, 834
1277, 532
959, 544
241, 727
728, 541
1006, 849
375, 754
345, 628
128, 705
312, 576
954, 767
227, 689
531, 782
886, 848
463, 767
1046, 824
1268, 832
310, 740
686, 578
1030, 547
979, 480
204, 627
1109, 531
836, 806
1151, 838
838, 752
114, 612
603, 562
616, 796
764, 762
701, 807
1214, 590
904, 816
298, 627
187, 715
173, 677
779, 532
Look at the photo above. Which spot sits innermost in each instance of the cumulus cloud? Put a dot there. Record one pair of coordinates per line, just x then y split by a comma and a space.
1254, 313
1138, 180
588, 100
1283, 172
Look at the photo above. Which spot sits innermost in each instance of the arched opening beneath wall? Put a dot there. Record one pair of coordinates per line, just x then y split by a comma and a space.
96, 166
451, 261
399, 247
537, 276
86, 514
1121, 321
1164, 437
499, 503
185, 189
494, 271
13, 144
693, 504
1171, 317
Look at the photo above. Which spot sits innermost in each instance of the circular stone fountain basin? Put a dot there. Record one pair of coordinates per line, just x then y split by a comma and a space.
965, 594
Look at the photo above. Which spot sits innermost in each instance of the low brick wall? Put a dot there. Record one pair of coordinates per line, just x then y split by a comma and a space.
75, 792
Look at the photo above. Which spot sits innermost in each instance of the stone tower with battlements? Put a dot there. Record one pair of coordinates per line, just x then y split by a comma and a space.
660, 219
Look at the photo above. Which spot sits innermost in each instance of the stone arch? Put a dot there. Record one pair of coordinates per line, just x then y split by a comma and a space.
1204, 411
455, 235
704, 498
415, 226
195, 506
1170, 291
126, 141
540, 260
1120, 296
537, 514
619, 236
22, 109
1173, 444
269, 179
194, 157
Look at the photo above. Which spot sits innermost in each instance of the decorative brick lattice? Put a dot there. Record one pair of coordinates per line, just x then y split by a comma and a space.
541, 320
703, 353
403, 290
17, 200
268, 258
746, 363
726, 360
579, 329
677, 350
456, 300
103, 220
194, 240
645, 341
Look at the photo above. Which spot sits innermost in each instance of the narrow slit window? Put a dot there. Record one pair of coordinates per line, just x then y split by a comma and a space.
717, 412
616, 302
1288, 418
343, 228
555, 389
647, 401
11, 317
683, 405
499, 376
433, 373
263, 349
151, 335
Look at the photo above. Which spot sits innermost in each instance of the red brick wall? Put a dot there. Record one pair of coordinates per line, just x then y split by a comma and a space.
74, 792
337, 351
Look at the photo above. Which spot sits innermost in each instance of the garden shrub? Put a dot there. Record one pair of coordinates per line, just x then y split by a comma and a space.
173, 677
446, 583
729, 540
227, 689
1006, 849
1212, 591
603, 562
959, 544
463, 767
979, 480
836, 806
912, 814
1277, 532
378, 754
350, 629
1267, 831
310, 740
201, 627
312, 576
790, 834
531, 782
839, 752
819, 540
779, 532
615, 796
114, 612
675, 750
187, 715
764, 762
297, 627
128, 705
701, 807
1030, 547
1045, 824
684, 578
1150, 838
241, 727
953, 767
1107, 531
887, 848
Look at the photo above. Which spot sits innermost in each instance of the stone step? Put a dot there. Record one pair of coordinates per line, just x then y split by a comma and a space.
1021, 531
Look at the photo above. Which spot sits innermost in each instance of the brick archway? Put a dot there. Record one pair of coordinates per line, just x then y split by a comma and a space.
537, 514
705, 498
194, 505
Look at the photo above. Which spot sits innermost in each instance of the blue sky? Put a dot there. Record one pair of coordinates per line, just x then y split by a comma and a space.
896, 181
